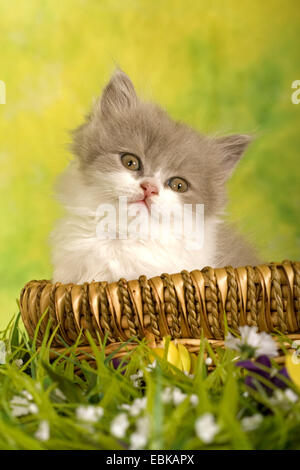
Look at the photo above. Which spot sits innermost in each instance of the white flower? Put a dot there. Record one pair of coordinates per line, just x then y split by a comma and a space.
191, 376
254, 343
284, 398
206, 428
296, 353
173, 395
139, 438
178, 396
142, 424
2, 352
90, 413
27, 395
43, 431
19, 406
19, 363
119, 425
152, 366
59, 394
250, 423
137, 441
291, 395
167, 395
23, 406
208, 361
194, 400
137, 406
125, 406
136, 378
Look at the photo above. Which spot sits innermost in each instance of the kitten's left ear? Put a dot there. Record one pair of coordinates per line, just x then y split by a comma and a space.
232, 148
119, 95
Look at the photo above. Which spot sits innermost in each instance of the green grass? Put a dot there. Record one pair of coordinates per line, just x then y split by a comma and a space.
221, 393
222, 67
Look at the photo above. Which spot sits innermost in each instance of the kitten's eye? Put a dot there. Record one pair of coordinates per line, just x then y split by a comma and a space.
131, 162
178, 184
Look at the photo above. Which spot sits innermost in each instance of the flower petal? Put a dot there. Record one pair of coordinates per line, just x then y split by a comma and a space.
184, 358
293, 368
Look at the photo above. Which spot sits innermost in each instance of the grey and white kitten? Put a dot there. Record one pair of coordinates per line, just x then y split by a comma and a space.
128, 147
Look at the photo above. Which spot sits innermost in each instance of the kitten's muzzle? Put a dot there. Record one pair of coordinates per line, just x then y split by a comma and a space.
149, 189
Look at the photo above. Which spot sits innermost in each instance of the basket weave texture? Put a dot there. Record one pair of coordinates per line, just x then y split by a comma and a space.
181, 305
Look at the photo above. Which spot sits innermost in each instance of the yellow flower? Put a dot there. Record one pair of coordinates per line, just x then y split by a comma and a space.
292, 363
177, 355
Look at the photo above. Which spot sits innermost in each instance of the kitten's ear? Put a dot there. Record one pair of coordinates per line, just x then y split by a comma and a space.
232, 148
118, 96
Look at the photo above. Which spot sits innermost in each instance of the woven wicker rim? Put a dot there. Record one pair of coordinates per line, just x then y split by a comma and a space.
181, 305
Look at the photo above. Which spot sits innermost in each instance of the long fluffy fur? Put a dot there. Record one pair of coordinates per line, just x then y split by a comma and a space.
118, 123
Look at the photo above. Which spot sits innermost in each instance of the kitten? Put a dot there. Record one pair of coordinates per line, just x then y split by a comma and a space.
128, 147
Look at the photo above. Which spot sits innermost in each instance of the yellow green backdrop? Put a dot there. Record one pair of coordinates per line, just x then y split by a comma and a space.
221, 66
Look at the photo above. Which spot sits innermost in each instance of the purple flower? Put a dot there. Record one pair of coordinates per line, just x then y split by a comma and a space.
116, 362
259, 367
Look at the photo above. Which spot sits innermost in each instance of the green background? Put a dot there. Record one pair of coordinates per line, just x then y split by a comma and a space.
221, 66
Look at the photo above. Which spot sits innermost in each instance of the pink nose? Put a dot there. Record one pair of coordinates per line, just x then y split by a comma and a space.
149, 189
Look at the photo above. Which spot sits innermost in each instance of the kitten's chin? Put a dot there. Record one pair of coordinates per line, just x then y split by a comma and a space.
140, 203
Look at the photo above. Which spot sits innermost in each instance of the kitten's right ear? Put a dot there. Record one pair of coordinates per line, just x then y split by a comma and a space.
118, 96
232, 147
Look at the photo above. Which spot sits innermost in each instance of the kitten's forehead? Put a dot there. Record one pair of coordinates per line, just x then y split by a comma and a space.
121, 123
160, 142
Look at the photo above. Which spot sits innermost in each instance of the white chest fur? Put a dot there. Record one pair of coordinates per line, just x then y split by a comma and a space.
79, 256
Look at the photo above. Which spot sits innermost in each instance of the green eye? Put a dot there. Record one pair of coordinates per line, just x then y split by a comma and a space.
131, 162
178, 184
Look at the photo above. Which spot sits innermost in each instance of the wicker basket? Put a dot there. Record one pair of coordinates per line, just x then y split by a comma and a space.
180, 305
